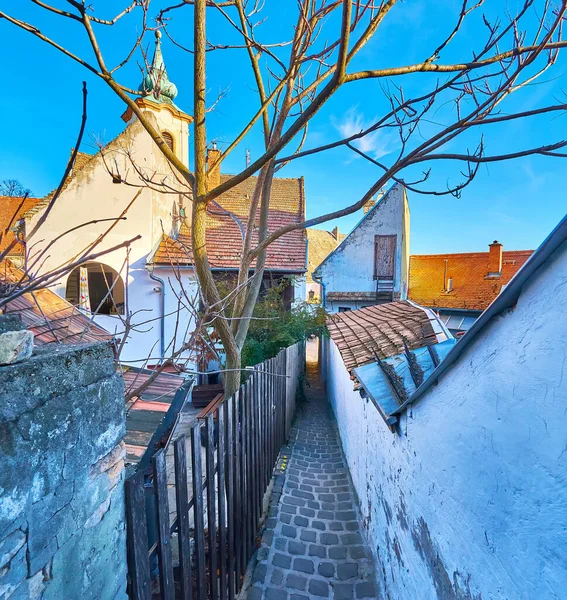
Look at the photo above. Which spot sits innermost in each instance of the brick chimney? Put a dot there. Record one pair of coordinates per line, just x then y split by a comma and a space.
212, 157
335, 233
495, 259
368, 206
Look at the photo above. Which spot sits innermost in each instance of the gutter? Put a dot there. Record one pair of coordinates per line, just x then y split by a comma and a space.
505, 301
162, 307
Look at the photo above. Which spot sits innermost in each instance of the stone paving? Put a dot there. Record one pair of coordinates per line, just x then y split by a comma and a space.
312, 545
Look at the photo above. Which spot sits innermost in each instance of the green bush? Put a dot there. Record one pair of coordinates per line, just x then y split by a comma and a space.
274, 327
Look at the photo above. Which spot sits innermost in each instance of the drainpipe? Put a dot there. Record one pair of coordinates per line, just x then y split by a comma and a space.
319, 280
150, 269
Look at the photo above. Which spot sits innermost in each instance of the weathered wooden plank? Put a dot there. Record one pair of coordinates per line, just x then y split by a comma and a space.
137, 537
237, 489
230, 496
211, 507
244, 482
183, 531
165, 561
199, 522
221, 461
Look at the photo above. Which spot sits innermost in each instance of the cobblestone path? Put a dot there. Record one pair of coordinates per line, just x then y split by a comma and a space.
311, 545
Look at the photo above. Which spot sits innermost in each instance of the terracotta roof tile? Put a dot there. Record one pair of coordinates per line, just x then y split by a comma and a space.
320, 244
472, 289
51, 318
224, 239
12, 210
363, 334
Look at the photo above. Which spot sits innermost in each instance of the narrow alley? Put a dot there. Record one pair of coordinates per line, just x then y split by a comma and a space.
312, 542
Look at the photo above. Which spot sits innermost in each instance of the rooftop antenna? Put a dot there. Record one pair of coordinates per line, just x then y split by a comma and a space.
247, 158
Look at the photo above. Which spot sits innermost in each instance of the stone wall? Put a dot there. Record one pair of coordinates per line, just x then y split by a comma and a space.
467, 500
62, 529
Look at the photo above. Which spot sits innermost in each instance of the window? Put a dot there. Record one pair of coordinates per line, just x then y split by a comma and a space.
384, 256
344, 309
96, 288
168, 139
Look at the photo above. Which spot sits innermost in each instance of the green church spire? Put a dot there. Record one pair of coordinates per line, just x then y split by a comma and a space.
156, 85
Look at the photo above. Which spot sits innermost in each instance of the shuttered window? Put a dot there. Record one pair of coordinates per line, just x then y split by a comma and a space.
384, 256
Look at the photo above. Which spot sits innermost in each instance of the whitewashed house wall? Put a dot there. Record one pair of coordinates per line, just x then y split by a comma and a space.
92, 195
467, 500
350, 268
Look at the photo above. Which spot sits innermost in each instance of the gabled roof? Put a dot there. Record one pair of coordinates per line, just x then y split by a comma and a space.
320, 244
224, 237
367, 215
540, 259
51, 318
12, 210
379, 331
472, 289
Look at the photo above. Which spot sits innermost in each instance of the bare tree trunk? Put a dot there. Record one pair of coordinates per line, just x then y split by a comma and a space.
199, 227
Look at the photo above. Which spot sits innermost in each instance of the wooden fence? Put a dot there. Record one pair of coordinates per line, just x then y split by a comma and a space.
230, 460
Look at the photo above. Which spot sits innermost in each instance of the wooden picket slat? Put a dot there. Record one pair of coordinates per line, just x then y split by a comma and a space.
221, 458
165, 560
211, 508
230, 499
138, 561
183, 532
237, 488
199, 521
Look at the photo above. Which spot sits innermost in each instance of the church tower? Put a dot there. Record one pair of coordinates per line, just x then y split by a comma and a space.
158, 95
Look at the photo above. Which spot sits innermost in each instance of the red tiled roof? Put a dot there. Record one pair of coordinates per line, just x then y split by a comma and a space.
145, 414
51, 318
472, 289
320, 244
11, 211
224, 239
363, 334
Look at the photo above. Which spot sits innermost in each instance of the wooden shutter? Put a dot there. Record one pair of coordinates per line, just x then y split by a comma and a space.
384, 256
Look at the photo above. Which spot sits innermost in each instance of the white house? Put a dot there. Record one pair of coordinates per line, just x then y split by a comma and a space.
371, 264
128, 190
462, 485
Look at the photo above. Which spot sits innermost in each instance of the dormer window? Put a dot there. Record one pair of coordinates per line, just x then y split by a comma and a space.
168, 139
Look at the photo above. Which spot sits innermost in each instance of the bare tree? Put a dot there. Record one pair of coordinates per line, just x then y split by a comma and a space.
13, 189
296, 77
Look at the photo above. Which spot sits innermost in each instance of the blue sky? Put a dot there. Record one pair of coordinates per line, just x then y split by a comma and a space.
517, 202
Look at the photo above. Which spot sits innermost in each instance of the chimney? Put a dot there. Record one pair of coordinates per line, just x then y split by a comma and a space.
368, 206
213, 156
495, 259
335, 233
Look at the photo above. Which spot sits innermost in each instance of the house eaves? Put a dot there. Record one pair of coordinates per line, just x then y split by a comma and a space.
504, 302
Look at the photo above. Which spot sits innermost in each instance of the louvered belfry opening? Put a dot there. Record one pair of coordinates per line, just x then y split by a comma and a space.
168, 139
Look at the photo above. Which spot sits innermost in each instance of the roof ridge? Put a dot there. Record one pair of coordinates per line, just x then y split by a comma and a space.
475, 253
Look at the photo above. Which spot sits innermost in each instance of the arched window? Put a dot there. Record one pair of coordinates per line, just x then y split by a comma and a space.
97, 288
168, 139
